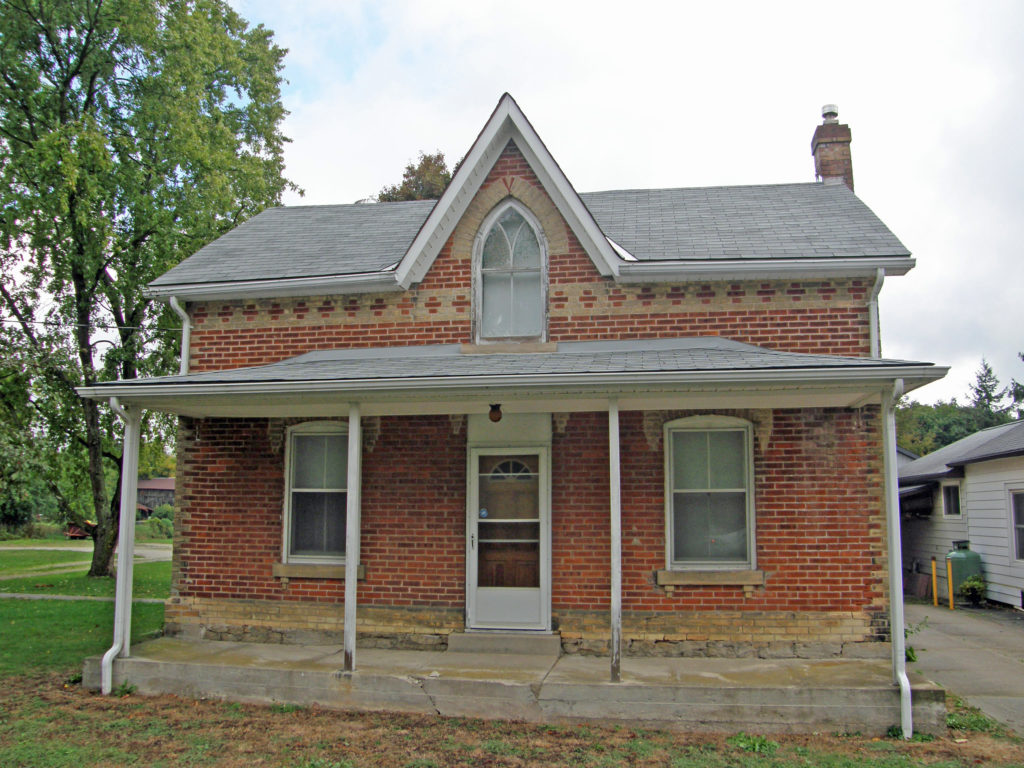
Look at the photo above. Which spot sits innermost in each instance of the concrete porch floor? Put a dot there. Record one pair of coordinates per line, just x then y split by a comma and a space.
779, 695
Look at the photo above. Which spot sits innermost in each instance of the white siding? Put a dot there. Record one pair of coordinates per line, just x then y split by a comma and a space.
987, 488
927, 537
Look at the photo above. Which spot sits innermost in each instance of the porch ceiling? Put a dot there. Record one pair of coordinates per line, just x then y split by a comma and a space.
577, 376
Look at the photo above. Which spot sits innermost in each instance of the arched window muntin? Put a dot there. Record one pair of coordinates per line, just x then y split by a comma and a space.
709, 493
510, 264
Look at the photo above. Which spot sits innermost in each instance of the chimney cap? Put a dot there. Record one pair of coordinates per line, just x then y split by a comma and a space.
831, 113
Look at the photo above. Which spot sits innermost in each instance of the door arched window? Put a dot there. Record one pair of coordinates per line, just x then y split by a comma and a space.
511, 276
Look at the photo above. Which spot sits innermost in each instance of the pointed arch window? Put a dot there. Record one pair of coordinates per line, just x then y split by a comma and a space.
511, 276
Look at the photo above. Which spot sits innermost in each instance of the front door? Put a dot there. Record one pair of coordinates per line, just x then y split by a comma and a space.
507, 539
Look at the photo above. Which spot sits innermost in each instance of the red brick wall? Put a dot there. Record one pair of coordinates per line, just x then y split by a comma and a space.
413, 514
818, 492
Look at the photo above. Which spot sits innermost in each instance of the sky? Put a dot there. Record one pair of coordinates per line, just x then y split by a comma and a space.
690, 94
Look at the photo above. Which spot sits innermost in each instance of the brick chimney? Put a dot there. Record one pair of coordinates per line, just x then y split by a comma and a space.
831, 149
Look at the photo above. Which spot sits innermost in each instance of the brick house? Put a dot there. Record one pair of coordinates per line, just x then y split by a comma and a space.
647, 421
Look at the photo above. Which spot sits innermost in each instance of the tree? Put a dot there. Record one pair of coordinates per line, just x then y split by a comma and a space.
132, 132
425, 180
986, 393
1016, 392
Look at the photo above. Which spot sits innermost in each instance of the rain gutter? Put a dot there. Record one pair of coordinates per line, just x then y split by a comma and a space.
876, 344
186, 333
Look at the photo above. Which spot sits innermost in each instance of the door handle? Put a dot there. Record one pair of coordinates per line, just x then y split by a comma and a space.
472, 540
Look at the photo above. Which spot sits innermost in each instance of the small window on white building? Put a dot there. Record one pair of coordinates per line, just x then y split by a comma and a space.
709, 493
316, 495
951, 500
511, 280
1017, 505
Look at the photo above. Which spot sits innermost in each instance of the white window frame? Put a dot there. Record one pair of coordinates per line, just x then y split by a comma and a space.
710, 423
1011, 491
478, 282
307, 428
959, 497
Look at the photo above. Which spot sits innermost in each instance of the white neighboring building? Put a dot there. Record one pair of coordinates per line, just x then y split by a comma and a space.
972, 489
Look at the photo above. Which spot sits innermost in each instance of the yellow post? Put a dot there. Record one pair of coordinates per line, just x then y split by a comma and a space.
935, 583
949, 581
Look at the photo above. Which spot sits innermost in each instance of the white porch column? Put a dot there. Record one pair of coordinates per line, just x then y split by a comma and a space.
352, 528
614, 478
132, 417
892, 524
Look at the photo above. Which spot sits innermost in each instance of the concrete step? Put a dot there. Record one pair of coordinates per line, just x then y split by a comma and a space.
505, 642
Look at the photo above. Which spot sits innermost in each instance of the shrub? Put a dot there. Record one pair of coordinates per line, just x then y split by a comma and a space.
973, 589
163, 512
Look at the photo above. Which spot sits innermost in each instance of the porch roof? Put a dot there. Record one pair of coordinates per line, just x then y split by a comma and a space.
569, 376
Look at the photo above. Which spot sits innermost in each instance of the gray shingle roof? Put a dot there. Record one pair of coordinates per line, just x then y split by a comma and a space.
754, 222
991, 443
782, 221
686, 355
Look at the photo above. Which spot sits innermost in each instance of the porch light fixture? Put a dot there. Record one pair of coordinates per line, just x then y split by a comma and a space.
495, 414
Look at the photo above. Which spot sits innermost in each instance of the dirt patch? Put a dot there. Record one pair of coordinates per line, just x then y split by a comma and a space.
39, 712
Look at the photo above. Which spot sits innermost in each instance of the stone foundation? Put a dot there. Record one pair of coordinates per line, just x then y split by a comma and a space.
714, 634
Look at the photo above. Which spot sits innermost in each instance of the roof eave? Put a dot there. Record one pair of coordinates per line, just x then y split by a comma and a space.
733, 269
913, 375
987, 457
321, 285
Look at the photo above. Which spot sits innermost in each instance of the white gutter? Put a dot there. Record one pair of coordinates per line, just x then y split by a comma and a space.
126, 543
740, 269
855, 375
892, 521
186, 333
324, 285
876, 344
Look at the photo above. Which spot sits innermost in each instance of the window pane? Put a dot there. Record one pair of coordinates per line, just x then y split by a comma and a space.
727, 459
727, 526
511, 221
951, 499
496, 254
527, 304
690, 526
318, 524
336, 459
308, 461
690, 460
496, 317
526, 253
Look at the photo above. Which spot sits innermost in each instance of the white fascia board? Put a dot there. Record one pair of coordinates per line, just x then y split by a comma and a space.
915, 375
739, 269
507, 122
323, 285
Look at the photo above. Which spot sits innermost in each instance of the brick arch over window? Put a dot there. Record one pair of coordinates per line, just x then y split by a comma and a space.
510, 275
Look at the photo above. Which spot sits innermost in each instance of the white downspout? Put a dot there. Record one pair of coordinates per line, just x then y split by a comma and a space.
892, 521
876, 342
186, 333
615, 487
126, 542
352, 528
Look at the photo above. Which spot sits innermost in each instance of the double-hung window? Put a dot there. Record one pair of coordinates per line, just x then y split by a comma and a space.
316, 495
511, 265
951, 500
709, 493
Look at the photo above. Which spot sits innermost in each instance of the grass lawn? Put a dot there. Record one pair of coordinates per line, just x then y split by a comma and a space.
29, 559
151, 579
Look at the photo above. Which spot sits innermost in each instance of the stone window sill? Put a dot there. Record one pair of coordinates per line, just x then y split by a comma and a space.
314, 571
746, 579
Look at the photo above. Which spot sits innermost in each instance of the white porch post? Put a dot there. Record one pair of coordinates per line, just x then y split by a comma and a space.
614, 477
352, 528
892, 523
132, 417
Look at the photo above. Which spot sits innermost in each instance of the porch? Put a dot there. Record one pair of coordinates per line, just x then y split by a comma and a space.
711, 694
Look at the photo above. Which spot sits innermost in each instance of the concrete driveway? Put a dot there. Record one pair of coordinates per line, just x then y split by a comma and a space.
975, 653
